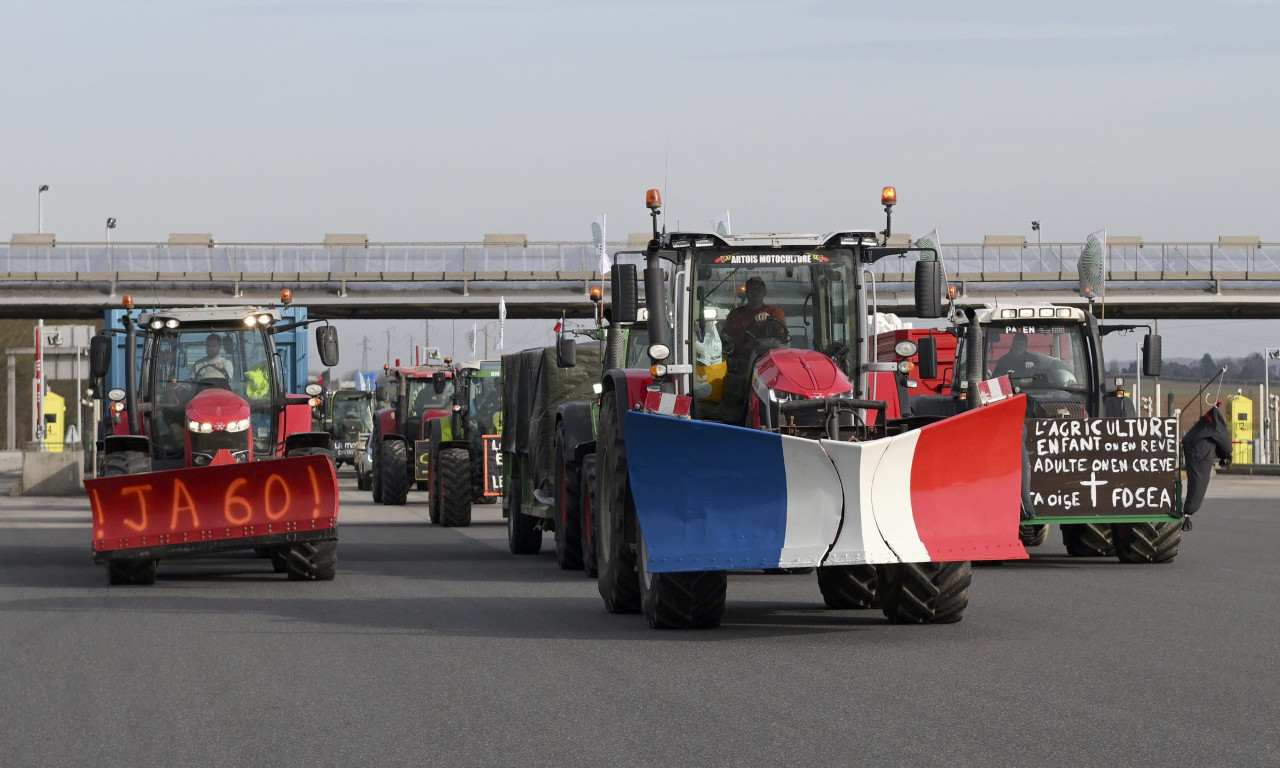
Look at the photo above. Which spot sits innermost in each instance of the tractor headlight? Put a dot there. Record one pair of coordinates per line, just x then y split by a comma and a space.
659, 352
238, 426
115, 395
905, 348
313, 389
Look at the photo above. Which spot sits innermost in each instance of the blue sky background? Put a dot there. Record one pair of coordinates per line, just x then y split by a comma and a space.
286, 120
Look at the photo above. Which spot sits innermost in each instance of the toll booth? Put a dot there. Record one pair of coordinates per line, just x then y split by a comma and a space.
55, 421
1240, 428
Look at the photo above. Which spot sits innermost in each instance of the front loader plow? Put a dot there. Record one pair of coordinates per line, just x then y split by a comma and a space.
715, 497
199, 509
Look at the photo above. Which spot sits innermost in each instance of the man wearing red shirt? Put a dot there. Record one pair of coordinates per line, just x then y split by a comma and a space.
755, 319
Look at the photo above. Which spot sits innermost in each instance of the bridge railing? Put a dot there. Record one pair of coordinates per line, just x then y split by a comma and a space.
984, 263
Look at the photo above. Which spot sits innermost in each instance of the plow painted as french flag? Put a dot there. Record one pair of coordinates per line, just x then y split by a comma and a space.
715, 497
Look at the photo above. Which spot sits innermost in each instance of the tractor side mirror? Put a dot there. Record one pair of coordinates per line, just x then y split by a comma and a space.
439, 382
622, 285
928, 293
386, 391
1151, 355
327, 344
928, 357
99, 356
566, 352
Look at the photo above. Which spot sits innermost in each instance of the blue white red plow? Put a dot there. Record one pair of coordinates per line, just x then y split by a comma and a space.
713, 497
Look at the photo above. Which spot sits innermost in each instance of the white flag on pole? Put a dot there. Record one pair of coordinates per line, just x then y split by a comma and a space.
598, 240
502, 320
720, 225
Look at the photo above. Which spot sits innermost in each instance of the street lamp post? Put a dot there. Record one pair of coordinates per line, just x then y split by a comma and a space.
40, 207
1269, 354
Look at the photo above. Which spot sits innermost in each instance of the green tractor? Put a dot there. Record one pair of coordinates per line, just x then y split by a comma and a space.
465, 446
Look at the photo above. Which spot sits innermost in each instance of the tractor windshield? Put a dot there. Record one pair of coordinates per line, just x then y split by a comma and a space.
750, 301
486, 402
1037, 356
352, 415
423, 396
180, 364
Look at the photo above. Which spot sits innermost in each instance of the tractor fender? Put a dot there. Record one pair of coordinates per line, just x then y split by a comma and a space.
386, 421
307, 440
632, 381
117, 443
574, 419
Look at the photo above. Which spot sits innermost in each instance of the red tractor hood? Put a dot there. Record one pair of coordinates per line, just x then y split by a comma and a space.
217, 407
801, 372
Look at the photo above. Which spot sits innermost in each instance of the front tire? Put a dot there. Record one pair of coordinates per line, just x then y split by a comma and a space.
846, 587
688, 600
311, 561
568, 515
587, 503
131, 572
1147, 543
1088, 539
454, 486
924, 593
1033, 535
618, 582
393, 472
523, 535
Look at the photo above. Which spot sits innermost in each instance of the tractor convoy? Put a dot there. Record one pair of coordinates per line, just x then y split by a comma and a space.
205, 450
729, 409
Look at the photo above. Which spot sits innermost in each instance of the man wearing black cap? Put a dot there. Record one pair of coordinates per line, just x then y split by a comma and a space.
753, 320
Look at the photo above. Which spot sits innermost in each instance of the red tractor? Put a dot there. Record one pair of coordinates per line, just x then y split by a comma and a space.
204, 449
399, 445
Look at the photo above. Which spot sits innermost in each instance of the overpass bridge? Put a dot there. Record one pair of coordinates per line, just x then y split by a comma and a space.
1236, 277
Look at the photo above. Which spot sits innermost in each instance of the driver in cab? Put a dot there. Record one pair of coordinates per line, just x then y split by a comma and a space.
213, 365
753, 320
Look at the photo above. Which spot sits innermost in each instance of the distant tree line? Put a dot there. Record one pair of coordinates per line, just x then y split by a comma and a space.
1240, 370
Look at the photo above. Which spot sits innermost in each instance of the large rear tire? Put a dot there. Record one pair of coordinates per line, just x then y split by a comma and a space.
568, 515
311, 561
1147, 542
131, 572
393, 472
924, 593
375, 476
523, 535
454, 486
587, 503
1033, 535
847, 587
1088, 539
618, 582
689, 600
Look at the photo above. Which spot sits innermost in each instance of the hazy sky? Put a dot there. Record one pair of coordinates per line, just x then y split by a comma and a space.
429, 121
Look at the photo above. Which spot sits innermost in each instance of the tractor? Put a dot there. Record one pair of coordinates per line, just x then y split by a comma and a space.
348, 417
752, 440
205, 451
462, 447
1106, 475
412, 397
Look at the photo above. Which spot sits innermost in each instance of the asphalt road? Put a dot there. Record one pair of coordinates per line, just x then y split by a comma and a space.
437, 647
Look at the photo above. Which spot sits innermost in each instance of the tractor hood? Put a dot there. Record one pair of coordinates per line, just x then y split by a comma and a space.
801, 372
220, 409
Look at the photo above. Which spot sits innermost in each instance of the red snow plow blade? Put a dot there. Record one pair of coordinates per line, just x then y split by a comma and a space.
215, 507
734, 498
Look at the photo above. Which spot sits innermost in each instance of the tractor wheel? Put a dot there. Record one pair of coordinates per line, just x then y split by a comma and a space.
131, 572
279, 558
615, 558
924, 593
1088, 540
125, 463
586, 503
688, 600
393, 472
568, 516
452, 480
1033, 535
362, 484
1147, 542
435, 497
848, 586
311, 561
375, 474
523, 535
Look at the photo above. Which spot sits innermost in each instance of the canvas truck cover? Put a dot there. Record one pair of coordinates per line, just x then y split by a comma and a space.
536, 387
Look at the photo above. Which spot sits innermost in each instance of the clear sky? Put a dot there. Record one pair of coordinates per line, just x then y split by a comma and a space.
429, 121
